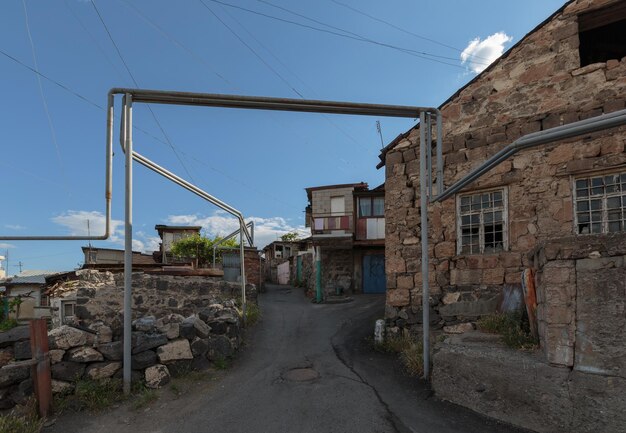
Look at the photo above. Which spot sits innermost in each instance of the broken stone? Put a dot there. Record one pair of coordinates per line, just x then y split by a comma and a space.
62, 387
56, 355
14, 373
142, 342
84, 354
104, 334
103, 370
145, 324
157, 376
18, 333
174, 350
66, 337
199, 347
144, 360
202, 329
22, 350
112, 351
459, 328
6, 356
67, 371
220, 347
187, 330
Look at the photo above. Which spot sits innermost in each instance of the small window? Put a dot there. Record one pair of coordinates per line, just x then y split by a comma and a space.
601, 34
68, 309
600, 204
371, 207
482, 222
45, 301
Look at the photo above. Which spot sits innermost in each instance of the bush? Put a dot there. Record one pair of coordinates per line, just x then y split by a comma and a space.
513, 327
411, 352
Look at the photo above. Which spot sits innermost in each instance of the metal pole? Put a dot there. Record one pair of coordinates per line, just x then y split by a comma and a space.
243, 274
439, 153
318, 274
424, 236
604, 121
128, 239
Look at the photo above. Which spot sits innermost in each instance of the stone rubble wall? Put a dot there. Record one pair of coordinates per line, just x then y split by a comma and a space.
156, 295
576, 382
169, 346
538, 85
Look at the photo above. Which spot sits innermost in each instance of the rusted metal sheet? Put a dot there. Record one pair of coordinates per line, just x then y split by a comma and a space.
530, 299
42, 382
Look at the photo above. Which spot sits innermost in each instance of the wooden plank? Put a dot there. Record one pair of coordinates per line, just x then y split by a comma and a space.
42, 381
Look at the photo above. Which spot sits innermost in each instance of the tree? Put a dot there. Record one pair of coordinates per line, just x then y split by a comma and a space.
200, 248
290, 237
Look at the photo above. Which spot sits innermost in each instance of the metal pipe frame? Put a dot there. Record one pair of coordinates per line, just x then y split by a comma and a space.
224, 101
108, 192
593, 124
230, 235
534, 139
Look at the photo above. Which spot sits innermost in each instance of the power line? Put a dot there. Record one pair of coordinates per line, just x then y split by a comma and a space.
167, 138
348, 35
274, 71
176, 42
45, 102
380, 20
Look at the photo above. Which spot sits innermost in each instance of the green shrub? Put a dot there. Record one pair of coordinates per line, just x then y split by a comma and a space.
93, 395
410, 350
512, 326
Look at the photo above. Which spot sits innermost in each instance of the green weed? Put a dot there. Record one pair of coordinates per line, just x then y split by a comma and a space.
23, 419
513, 328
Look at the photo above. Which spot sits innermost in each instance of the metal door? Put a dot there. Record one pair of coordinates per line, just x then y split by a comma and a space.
374, 280
231, 263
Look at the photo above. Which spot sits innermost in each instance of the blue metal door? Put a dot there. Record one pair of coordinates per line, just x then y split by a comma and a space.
374, 280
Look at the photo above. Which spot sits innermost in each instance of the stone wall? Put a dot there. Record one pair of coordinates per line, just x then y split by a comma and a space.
164, 347
576, 382
101, 298
539, 84
252, 263
337, 270
581, 299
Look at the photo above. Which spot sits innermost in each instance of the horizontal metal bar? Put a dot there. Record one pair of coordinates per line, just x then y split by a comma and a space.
604, 121
108, 192
266, 103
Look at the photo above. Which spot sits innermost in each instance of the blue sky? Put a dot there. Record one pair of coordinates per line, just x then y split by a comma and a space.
52, 159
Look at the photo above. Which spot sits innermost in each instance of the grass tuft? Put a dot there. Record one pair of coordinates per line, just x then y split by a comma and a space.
253, 313
93, 395
409, 349
22, 420
144, 397
7, 324
513, 327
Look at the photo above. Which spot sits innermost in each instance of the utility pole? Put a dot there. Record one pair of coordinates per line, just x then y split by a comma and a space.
20, 264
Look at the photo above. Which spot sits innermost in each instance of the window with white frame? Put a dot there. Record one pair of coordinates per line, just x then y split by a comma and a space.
600, 203
482, 224
68, 311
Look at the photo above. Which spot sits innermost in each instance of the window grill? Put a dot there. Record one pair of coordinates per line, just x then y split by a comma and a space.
482, 222
600, 203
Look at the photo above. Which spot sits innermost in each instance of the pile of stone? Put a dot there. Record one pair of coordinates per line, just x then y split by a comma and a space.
161, 348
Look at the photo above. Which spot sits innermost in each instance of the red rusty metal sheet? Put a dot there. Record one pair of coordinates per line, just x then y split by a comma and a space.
42, 382
530, 299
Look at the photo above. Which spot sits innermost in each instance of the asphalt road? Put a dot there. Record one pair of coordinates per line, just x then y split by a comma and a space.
306, 368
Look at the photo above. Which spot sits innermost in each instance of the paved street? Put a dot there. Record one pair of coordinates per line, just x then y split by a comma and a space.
307, 368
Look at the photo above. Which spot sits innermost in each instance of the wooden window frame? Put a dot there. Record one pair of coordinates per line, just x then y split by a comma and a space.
371, 200
603, 198
481, 224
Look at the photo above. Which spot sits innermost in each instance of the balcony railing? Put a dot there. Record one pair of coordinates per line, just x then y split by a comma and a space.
370, 229
332, 224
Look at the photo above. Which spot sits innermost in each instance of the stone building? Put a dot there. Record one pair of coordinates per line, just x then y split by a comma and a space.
570, 67
347, 229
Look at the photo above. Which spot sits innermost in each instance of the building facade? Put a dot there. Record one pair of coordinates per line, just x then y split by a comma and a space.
347, 232
571, 67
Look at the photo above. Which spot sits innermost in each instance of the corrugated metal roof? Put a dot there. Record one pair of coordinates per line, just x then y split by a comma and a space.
30, 277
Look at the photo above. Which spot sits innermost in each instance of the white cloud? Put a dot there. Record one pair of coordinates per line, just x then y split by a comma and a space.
75, 222
14, 227
480, 54
266, 230
5, 246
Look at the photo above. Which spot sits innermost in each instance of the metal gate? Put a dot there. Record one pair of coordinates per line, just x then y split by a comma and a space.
231, 263
374, 280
